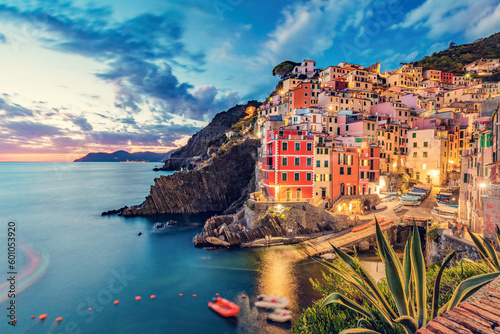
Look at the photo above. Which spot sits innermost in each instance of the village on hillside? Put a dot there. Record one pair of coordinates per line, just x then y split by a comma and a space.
347, 131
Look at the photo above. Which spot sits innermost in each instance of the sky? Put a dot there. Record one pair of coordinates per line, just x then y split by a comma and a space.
100, 76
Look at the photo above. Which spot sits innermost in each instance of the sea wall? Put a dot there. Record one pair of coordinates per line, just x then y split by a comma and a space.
445, 243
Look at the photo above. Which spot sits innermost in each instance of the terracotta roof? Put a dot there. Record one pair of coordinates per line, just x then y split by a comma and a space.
478, 314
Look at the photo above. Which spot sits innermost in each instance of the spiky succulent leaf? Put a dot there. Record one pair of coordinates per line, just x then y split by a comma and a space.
409, 324
437, 284
419, 273
338, 298
462, 290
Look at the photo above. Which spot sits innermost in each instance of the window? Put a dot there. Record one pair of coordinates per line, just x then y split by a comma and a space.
297, 161
414, 135
414, 144
297, 146
284, 146
348, 170
283, 177
341, 170
296, 177
318, 163
347, 128
284, 161
308, 176
309, 161
309, 147
425, 154
414, 154
362, 175
425, 144
326, 163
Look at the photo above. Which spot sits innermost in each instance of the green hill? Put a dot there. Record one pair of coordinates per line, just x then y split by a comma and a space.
457, 56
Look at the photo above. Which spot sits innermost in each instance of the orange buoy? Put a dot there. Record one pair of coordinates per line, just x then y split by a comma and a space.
116, 302
32, 317
138, 298
181, 294
217, 294
15, 320
43, 316
243, 296
59, 319
194, 295
153, 296
90, 308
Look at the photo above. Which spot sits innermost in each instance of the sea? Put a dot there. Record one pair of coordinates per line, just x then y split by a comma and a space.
99, 275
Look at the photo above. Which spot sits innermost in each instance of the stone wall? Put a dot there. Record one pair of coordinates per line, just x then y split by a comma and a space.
445, 244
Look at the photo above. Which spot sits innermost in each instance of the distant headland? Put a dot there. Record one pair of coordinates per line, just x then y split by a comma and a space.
124, 156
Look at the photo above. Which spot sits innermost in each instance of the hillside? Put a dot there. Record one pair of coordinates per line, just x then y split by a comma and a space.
456, 57
120, 156
211, 135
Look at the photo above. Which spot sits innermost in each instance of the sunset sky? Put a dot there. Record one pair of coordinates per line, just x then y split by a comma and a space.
79, 76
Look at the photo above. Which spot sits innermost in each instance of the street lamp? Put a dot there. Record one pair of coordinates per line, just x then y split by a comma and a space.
482, 185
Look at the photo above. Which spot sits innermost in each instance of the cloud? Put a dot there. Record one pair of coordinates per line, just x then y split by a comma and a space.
474, 19
13, 109
3, 40
31, 130
82, 123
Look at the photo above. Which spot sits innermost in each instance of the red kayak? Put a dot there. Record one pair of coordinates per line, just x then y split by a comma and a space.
224, 307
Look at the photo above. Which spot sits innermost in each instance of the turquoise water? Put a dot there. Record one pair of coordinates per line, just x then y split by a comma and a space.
82, 260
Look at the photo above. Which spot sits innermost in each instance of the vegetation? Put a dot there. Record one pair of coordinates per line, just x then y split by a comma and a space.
456, 57
404, 301
285, 68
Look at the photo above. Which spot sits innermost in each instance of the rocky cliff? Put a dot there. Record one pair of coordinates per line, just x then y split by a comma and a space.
213, 134
223, 181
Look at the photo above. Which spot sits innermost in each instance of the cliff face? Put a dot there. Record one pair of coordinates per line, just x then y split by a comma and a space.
198, 144
213, 188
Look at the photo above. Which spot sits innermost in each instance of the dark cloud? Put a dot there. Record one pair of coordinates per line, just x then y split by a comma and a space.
31, 130
13, 109
140, 53
82, 123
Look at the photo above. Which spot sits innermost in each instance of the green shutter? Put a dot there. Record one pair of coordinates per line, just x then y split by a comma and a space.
488, 140
482, 141
358, 140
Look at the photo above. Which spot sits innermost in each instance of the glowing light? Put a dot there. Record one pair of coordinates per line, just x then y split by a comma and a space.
451, 162
394, 165
424, 166
482, 185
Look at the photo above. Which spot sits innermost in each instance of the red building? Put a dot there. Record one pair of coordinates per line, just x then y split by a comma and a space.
447, 77
288, 165
300, 96
345, 171
369, 168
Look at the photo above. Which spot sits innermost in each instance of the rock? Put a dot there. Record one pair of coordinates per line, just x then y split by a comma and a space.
364, 246
114, 212
213, 188
208, 139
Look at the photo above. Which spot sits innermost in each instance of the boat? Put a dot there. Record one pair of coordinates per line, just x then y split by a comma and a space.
410, 202
378, 220
443, 197
265, 301
443, 213
158, 226
390, 221
389, 198
171, 222
359, 228
445, 204
280, 315
224, 307
381, 206
398, 208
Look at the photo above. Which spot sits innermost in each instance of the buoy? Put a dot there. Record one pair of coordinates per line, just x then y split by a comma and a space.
153, 296
59, 319
243, 296
217, 294
43, 316
116, 302
90, 308
15, 320
194, 295
138, 298
181, 294
32, 317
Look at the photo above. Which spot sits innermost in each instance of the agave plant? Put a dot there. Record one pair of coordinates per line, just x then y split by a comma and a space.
407, 286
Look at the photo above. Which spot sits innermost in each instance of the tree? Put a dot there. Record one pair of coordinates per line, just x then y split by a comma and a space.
284, 68
452, 45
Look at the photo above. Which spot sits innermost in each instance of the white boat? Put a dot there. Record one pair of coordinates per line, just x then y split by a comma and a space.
443, 213
381, 206
398, 208
265, 301
411, 203
280, 315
